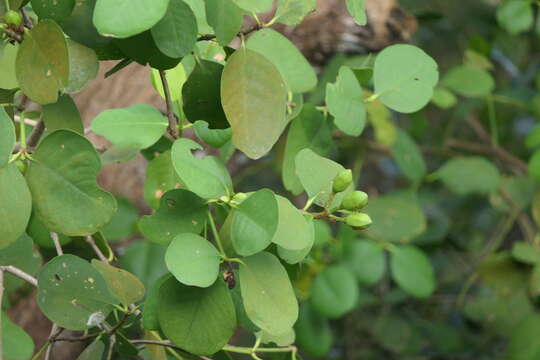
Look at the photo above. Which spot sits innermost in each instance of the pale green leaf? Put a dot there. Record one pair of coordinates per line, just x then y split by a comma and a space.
469, 81
357, 9
292, 12
469, 175
334, 292
123, 285
293, 231
412, 271
8, 56
254, 6
225, 18
516, 16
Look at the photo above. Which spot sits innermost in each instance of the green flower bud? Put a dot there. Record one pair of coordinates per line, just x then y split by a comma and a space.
355, 200
342, 181
358, 220
13, 18
239, 197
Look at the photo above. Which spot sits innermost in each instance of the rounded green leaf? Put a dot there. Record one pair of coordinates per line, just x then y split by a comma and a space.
225, 18
469, 175
345, 102
412, 271
295, 70
267, 293
7, 137
404, 77
43, 63
125, 286
357, 9
296, 256
71, 291
69, 202
469, 81
213, 137
293, 232
366, 260
122, 19
53, 9
292, 12
63, 115
515, 16
206, 177
8, 56
408, 157
17, 344
199, 320
143, 49
160, 178
138, 126
193, 260
444, 98
254, 6
313, 332
176, 33
83, 66
150, 316
396, 218
254, 223
254, 99
16, 205
334, 292
180, 211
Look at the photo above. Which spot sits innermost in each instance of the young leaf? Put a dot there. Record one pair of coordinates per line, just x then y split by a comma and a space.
52, 9
292, 12
176, 33
366, 260
296, 72
412, 271
138, 126
83, 66
469, 81
254, 6
225, 18
345, 102
16, 342
254, 99
405, 77
199, 320
254, 223
313, 332
123, 19
43, 63
16, 204
206, 177
180, 211
267, 293
357, 9
193, 260
7, 137
454, 174
72, 292
334, 292
125, 286
309, 130
408, 157
160, 178
293, 231
63, 114
69, 202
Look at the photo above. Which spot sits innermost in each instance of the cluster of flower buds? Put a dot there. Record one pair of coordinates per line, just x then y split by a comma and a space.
352, 202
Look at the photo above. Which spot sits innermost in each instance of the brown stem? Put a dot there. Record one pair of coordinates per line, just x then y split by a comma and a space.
173, 120
20, 274
209, 37
36, 134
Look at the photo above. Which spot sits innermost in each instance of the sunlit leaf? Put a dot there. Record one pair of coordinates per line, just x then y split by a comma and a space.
122, 284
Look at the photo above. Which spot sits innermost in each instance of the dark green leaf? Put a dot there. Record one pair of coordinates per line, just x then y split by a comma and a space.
83, 66
53, 9
93, 351
146, 261
22, 255
408, 157
313, 332
160, 178
7, 137
80, 27
17, 344
63, 114
366, 260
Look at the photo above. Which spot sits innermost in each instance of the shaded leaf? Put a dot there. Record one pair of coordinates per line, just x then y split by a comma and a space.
408, 157
63, 114
456, 175
313, 332
53, 9
366, 260
469, 81
122, 284
83, 66
334, 292
412, 271
17, 344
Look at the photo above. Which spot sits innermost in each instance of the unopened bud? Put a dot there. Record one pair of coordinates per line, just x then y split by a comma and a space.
358, 220
354, 200
342, 181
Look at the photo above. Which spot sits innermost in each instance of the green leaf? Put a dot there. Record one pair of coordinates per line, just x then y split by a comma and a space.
404, 77
407, 155
469, 81
313, 332
8, 57
150, 316
296, 72
357, 9
206, 177
254, 99
22, 255
225, 18
526, 253
213, 137
534, 165
366, 260
17, 344
396, 218
524, 345
198, 8
309, 130
254, 223
7, 137
80, 27
412, 271
267, 293
139, 126
42, 66
123, 19
443, 98
293, 231
533, 138
160, 178
125, 286
52, 9
146, 261
296, 256
16, 205
381, 120
201, 95
254, 6
116, 154
69, 202
345, 102
71, 291
83, 66
334, 292
180, 212
176, 33
199, 320
122, 224
193, 260
63, 114
317, 174
456, 175
516, 16
93, 351
41, 235
292, 12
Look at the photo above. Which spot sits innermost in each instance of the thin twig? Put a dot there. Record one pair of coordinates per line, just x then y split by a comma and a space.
209, 37
171, 116
27, 20
96, 249
20, 274
36, 134
56, 241
55, 331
